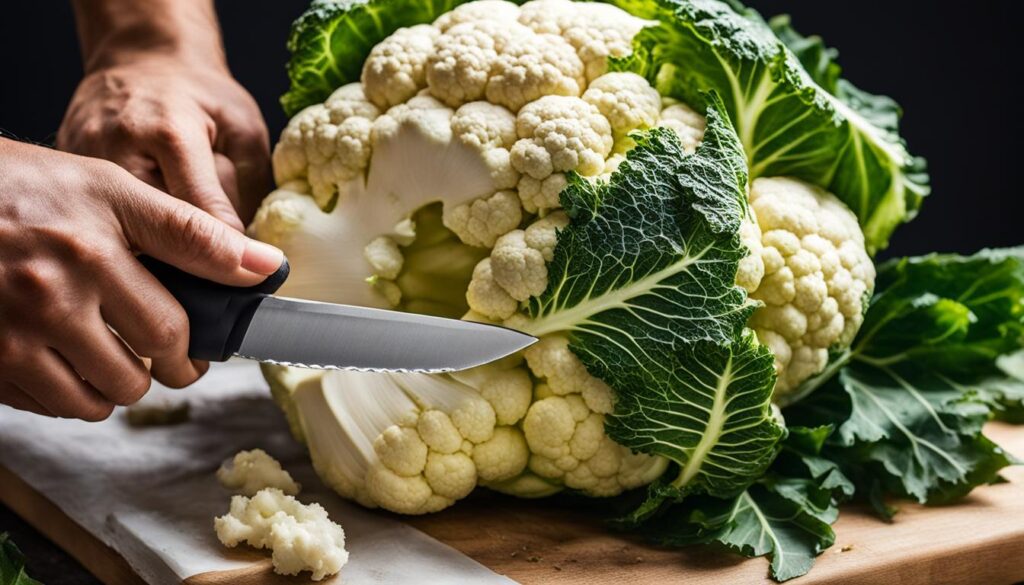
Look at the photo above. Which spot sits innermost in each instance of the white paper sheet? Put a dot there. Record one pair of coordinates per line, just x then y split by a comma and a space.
151, 495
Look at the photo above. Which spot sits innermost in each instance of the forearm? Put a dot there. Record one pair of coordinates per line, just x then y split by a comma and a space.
115, 32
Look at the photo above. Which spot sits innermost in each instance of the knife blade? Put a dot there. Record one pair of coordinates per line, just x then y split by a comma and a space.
227, 321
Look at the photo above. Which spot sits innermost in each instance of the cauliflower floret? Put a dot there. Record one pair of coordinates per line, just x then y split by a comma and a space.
817, 276
323, 152
301, 537
350, 101
395, 68
480, 222
557, 134
688, 125
385, 257
250, 471
485, 296
485, 126
597, 31
451, 475
503, 456
499, 11
751, 268
540, 195
531, 67
626, 100
458, 70
551, 359
518, 268
567, 442
542, 235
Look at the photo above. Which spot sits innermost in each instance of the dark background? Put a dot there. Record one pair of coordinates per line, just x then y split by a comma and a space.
955, 68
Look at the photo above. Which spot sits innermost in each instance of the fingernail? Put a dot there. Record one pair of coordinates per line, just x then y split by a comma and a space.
261, 258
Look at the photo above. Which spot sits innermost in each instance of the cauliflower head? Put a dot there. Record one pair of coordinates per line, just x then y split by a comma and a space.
445, 181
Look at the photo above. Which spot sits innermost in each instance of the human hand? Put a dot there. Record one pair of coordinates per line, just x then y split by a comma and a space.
185, 127
68, 270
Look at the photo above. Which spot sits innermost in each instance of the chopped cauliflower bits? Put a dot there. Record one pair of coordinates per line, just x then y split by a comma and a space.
300, 536
251, 471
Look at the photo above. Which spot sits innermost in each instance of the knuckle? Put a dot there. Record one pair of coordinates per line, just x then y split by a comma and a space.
165, 334
36, 281
199, 233
131, 389
166, 134
11, 352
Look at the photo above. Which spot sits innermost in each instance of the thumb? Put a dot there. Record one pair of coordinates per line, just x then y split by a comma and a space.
192, 240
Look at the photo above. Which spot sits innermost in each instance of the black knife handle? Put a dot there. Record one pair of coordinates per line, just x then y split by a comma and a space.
218, 315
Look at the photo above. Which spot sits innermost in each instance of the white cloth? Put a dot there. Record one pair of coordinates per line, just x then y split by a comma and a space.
151, 494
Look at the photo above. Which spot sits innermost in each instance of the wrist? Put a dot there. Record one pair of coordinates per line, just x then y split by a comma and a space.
115, 33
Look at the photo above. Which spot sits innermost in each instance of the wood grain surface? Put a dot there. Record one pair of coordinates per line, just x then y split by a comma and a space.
980, 540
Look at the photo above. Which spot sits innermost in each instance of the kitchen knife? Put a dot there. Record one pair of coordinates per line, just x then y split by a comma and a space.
227, 321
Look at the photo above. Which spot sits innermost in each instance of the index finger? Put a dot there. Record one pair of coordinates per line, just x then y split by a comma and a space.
189, 170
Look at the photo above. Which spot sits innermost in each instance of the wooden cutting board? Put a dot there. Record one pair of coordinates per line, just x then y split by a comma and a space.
980, 540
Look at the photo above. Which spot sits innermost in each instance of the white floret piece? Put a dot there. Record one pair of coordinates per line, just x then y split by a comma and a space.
485, 126
322, 152
817, 275
506, 387
458, 70
568, 443
350, 101
688, 125
542, 235
559, 133
518, 268
395, 69
301, 537
627, 100
532, 66
503, 456
250, 471
486, 297
751, 267
596, 30
564, 373
481, 222
385, 257
498, 11
541, 195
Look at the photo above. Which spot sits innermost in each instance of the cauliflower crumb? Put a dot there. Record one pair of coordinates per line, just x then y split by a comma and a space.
300, 537
251, 471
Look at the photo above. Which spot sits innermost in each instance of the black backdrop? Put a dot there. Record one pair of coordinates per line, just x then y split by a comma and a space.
954, 66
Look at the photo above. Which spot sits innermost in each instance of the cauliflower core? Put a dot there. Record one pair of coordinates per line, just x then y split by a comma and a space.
434, 184
301, 537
